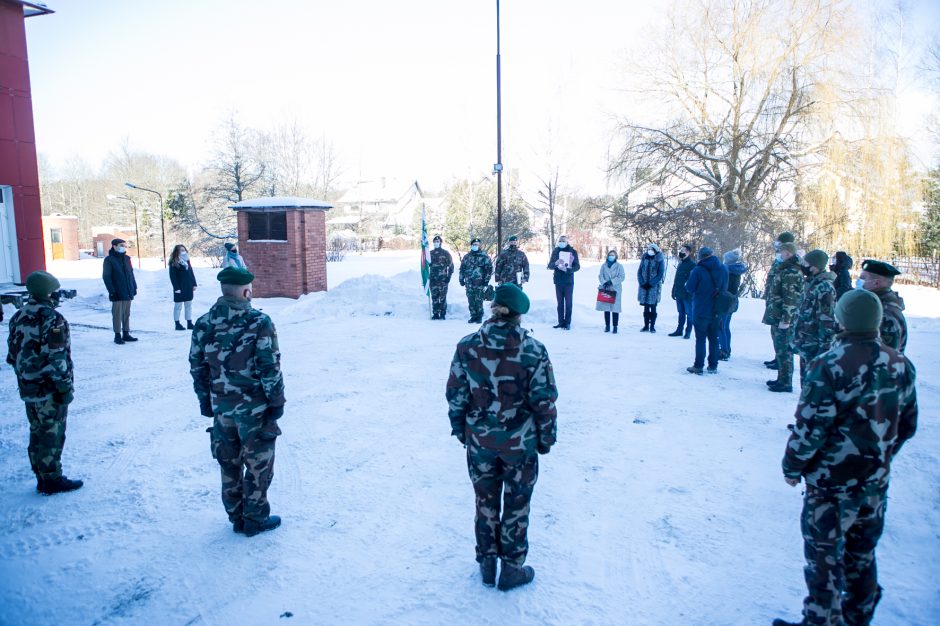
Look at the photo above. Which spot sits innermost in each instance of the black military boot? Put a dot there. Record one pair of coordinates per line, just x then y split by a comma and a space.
435, 317
688, 334
488, 570
189, 324
58, 485
238, 526
118, 340
252, 528
676, 333
511, 576
179, 326
771, 365
783, 622
781, 388
127, 337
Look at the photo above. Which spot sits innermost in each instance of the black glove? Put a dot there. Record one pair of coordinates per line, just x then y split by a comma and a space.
274, 413
647, 286
63, 397
543, 449
461, 437
270, 430
608, 285
205, 408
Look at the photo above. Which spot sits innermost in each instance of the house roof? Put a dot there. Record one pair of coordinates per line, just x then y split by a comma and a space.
279, 202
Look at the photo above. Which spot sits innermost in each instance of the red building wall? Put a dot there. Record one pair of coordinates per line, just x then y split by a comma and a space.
18, 164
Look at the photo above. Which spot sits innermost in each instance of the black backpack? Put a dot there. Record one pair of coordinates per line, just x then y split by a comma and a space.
725, 301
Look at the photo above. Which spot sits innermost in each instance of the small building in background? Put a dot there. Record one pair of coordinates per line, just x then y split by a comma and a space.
101, 237
283, 242
60, 236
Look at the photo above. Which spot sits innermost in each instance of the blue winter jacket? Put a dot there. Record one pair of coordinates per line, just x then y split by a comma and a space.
708, 278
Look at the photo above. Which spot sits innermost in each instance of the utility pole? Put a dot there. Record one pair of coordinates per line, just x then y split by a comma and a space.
498, 167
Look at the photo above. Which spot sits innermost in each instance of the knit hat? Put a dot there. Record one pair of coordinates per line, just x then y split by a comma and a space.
817, 259
859, 310
40, 284
731, 256
704, 252
880, 267
789, 246
235, 276
511, 297
229, 246
786, 237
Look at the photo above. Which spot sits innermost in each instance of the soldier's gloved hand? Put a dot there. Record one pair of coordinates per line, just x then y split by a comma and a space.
205, 408
274, 413
63, 397
461, 437
543, 449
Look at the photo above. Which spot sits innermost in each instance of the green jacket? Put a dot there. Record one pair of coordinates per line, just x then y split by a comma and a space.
39, 349
815, 323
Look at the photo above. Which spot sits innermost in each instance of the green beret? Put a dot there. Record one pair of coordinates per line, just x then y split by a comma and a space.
859, 310
235, 276
789, 246
512, 238
40, 284
511, 297
817, 258
880, 267
786, 237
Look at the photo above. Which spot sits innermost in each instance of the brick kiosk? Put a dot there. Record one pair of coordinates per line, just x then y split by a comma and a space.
283, 241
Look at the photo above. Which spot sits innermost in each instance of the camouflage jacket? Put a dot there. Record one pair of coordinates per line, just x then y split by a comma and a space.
234, 360
857, 408
501, 391
815, 322
508, 265
442, 266
783, 293
39, 349
893, 324
476, 268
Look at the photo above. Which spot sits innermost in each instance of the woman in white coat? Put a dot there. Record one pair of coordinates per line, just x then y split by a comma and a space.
611, 277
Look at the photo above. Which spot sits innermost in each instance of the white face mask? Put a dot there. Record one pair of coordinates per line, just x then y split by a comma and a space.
651, 251
437, 244
121, 249
859, 284
184, 255
475, 248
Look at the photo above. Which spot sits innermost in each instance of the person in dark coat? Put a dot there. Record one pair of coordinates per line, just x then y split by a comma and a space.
841, 267
736, 269
709, 278
650, 276
184, 284
564, 261
682, 297
118, 276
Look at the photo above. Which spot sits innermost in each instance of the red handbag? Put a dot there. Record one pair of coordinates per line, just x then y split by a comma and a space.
606, 296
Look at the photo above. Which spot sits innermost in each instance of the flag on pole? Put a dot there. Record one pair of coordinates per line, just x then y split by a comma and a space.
425, 254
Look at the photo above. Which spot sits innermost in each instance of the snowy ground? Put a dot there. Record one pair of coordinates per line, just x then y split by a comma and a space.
662, 503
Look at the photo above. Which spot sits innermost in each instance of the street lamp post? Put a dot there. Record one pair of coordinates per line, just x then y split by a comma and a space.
162, 221
136, 228
498, 167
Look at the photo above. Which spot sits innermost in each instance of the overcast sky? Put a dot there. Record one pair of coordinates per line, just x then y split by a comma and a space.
405, 88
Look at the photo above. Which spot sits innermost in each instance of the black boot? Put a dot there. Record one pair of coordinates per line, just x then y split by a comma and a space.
646, 322
58, 485
238, 526
488, 570
189, 324
252, 528
783, 622
435, 317
652, 322
179, 326
606, 321
127, 336
511, 576
688, 334
607, 328
615, 329
676, 333
117, 339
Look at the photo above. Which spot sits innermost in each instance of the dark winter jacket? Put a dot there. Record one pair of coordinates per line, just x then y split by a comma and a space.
564, 277
735, 272
841, 269
682, 274
708, 279
650, 276
118, 276
183, 280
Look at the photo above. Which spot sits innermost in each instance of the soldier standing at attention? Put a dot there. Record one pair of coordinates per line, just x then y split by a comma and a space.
475, 272
782, 238
857, 408
512, 265
236, 368
39, 349
501, 395
878, 278
442, 268
815, 323
783, 296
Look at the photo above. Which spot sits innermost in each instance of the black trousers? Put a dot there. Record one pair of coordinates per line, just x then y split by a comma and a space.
563, 294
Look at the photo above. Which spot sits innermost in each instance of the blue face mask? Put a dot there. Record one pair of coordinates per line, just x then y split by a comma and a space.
778, 257
475, 248
562, 244
611, 258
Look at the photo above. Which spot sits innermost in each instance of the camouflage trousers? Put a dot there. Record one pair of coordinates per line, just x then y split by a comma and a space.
840, 532
503, 492
475, 301
46, 437
784, 354
246, 458
438, 299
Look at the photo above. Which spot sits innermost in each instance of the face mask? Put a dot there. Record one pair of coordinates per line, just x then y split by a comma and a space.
437, 245
611, 258
562, 244
184, 256
475, 248
650, 252
806, 271
859, 284
778, 257
512, 246
683, 254
121, 249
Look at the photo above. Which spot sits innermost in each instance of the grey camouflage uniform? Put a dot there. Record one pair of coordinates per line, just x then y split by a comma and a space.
39, 350
235, 364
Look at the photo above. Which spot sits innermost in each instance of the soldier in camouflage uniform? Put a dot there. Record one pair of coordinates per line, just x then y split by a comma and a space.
440, 271
475, 271
857, 408
39, 349
236, 368
782, 238
878, 277
511, 263
501, 395
815, 323
783, 297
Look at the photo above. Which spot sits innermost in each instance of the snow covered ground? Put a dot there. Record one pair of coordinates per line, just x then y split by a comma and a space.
663, 502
